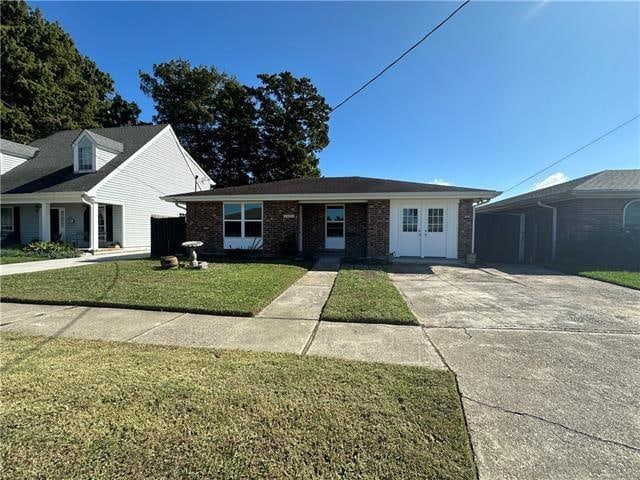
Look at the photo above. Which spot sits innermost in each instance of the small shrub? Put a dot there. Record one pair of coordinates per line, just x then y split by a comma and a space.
51, 250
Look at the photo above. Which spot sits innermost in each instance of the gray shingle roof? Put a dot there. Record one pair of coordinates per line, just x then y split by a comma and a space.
17, 149
607, 181
335, 185
52, 168
105, 142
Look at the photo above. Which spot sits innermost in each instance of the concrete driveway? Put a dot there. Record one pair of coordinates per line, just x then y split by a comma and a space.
548, 366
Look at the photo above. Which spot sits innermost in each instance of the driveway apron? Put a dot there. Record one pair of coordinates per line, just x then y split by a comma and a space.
547, 366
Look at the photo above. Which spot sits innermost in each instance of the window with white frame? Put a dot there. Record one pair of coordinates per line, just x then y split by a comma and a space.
85, 158
7, 219
243, 220
631, 216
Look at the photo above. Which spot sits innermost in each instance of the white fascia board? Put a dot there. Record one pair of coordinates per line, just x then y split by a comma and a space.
120, 167
49, 197
333, 197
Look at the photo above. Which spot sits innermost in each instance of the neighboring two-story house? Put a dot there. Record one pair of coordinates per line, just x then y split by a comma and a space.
94, 188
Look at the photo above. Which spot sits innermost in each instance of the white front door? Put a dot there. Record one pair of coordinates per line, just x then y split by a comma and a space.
410, 235
434, 237
422, 230
334, 227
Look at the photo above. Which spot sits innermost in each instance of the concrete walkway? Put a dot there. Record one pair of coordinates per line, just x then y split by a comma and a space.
305, 299
405, 345
42, 265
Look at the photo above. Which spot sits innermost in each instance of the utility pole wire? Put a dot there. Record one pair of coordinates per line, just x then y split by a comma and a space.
571, 154
399, 58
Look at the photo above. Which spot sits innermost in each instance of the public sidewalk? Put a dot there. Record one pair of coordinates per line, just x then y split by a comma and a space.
42, 265
399, 344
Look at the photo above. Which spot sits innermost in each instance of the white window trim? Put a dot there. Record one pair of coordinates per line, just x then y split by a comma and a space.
13, 221
327, 222
243, 220
76, 158
624, 212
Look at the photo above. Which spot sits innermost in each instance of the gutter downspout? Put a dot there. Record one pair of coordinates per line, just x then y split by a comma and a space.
554, 228
473, 224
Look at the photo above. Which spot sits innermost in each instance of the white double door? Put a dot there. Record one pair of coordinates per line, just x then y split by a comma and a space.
422, 230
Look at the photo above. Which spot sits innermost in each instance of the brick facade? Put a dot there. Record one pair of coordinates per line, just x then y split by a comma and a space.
204, 223
465, 227
313, 228
378, 217
280, 227
355, 230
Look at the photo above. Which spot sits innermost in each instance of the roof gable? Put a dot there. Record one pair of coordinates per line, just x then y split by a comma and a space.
100, 141
51, 171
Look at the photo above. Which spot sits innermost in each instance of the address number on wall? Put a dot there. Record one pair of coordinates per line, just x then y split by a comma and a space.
288, 215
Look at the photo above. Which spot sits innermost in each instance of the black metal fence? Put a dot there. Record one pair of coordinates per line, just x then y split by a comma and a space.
167, 235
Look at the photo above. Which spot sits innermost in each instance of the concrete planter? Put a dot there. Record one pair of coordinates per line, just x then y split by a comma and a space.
169, 262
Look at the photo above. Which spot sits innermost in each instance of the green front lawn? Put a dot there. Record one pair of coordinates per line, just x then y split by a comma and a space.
618, 277
366, 294
82, 409
226, 288
16, 255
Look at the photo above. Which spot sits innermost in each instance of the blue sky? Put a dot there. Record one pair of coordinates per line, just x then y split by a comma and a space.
500, 91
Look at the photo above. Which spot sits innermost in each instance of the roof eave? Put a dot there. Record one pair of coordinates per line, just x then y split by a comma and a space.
498, 206
333, 197
40, 197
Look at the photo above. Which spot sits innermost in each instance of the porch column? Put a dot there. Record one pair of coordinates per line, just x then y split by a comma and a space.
93, 228
45, 222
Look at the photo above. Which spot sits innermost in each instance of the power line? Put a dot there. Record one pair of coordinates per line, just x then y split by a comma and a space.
399, 58
571, 154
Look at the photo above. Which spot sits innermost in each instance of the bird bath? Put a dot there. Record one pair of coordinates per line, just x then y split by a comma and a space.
191, 246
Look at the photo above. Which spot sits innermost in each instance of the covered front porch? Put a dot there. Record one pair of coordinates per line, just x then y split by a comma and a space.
87, 224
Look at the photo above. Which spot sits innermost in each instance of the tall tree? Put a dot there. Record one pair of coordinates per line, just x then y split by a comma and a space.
118, 112
47, 84
186, 97
293, 124
241, 134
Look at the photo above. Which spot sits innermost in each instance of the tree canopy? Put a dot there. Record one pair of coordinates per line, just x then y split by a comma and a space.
47, 84
241, 134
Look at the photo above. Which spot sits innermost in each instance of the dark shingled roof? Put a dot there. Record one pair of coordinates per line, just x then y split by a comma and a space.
51, 170
607, 181
335, 185
17, 149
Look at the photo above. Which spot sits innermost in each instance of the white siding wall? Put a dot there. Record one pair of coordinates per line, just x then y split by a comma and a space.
7, 162
159, 170
29, 223
102, 157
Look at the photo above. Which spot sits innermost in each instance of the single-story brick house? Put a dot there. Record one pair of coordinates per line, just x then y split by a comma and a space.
593, 219
361, 217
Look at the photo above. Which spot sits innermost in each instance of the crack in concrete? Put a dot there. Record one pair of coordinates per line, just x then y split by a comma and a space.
551, 422
43, 315
459, 391
543, 330
156, 326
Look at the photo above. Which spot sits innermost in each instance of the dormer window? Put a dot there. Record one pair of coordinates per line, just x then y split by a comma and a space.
85, 159
91, 151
